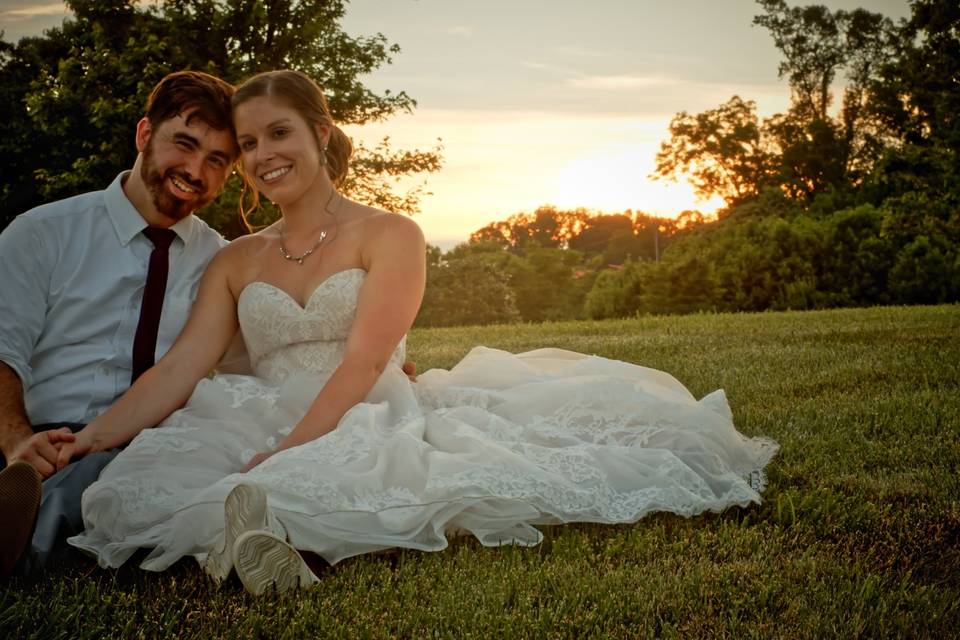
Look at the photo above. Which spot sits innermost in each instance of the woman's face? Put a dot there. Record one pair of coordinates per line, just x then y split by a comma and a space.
278, 149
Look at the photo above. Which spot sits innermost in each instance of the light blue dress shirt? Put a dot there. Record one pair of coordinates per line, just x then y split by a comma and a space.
72, 275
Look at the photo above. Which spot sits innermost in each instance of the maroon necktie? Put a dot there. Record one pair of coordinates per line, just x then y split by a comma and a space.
145, 339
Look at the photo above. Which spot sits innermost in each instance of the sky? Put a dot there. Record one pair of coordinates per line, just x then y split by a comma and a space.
561, 102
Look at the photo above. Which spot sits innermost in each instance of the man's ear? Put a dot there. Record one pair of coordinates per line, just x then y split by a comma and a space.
143, 134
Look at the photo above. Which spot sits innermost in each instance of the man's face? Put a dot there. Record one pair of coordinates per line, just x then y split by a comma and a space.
185, 163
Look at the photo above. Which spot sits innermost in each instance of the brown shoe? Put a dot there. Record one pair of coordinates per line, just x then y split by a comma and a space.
20, 488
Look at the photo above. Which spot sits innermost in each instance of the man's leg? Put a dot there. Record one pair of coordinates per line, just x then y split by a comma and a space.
60, 515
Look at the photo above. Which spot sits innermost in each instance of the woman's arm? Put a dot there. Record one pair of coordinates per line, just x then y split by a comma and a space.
167, 385
389, 300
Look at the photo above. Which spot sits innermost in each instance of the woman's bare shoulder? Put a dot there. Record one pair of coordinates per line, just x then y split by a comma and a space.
371, 226
240, 260
243, 247
383, 222
390, 235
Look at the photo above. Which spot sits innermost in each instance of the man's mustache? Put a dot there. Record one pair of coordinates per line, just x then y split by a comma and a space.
182, 177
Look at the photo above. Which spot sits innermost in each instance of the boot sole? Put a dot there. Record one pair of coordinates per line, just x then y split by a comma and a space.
265, 561
245, 509
21, 488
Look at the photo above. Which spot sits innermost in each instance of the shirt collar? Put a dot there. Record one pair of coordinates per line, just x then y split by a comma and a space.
128, 222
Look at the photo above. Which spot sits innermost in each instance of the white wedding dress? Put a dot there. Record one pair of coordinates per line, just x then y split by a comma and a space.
493, 447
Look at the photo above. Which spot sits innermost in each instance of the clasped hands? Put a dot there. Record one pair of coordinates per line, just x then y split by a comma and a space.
52, 450
47, 451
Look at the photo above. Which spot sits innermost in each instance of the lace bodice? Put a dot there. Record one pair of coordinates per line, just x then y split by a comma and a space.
284, 338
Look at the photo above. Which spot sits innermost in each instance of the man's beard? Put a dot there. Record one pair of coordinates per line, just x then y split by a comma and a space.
165, 202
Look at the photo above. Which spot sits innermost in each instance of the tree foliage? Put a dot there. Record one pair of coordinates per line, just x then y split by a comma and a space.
916, 98
74, 94
724, 151
470, 287
545, 227
806, 151
548, 260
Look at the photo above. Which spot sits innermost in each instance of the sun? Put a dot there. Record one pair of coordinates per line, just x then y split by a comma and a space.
613, 180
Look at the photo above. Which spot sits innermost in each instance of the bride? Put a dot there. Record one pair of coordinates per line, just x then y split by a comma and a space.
329, 448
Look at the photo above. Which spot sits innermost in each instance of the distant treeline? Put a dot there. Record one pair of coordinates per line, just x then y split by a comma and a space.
857, 208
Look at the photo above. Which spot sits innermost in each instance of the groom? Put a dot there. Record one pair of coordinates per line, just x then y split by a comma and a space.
94, 286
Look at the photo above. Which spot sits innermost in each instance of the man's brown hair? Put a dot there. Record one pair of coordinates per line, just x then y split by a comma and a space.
206, 95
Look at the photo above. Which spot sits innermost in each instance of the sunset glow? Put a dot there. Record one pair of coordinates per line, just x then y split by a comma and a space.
612, 180
546, 101
501, 163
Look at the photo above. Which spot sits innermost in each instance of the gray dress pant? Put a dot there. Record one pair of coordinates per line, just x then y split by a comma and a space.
60, 514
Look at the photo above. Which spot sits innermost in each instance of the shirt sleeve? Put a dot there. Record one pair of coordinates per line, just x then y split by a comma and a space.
24, 284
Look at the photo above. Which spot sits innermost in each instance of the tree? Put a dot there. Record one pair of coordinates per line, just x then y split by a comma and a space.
75, 93
469, 285
916, 98
817, 45
811, 40
811, 155
616, 293
548, 283
916, 93
545, 227
926, 271
19, 139
375, 173
871, 40
727, 152
854, 268
610, 236
723, 151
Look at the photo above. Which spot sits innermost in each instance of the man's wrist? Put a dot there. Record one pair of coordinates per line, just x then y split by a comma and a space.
13, 436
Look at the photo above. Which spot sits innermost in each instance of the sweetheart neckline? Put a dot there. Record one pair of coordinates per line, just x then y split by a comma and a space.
290, 297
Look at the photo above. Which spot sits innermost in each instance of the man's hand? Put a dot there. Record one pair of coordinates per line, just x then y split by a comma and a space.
42, 450
410, 368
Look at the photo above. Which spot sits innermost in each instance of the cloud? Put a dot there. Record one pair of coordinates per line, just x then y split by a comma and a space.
619, 82
460, 30
552, 68
582, 52
34, 11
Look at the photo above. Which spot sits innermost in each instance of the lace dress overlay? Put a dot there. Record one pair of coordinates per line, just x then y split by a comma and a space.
493, 447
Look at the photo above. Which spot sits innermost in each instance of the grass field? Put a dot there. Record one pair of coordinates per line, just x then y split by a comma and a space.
858, 535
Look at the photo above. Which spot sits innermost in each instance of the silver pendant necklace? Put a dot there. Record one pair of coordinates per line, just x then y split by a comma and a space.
299, 259
323, 234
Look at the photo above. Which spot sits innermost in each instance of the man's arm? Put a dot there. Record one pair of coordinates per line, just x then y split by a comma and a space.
17, 439
14, 425
25, 263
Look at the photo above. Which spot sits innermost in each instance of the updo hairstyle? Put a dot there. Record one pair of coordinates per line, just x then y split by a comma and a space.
299, 92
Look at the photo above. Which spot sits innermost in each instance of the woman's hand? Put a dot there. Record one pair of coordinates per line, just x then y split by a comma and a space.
257, 459
69, 450
410, 369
